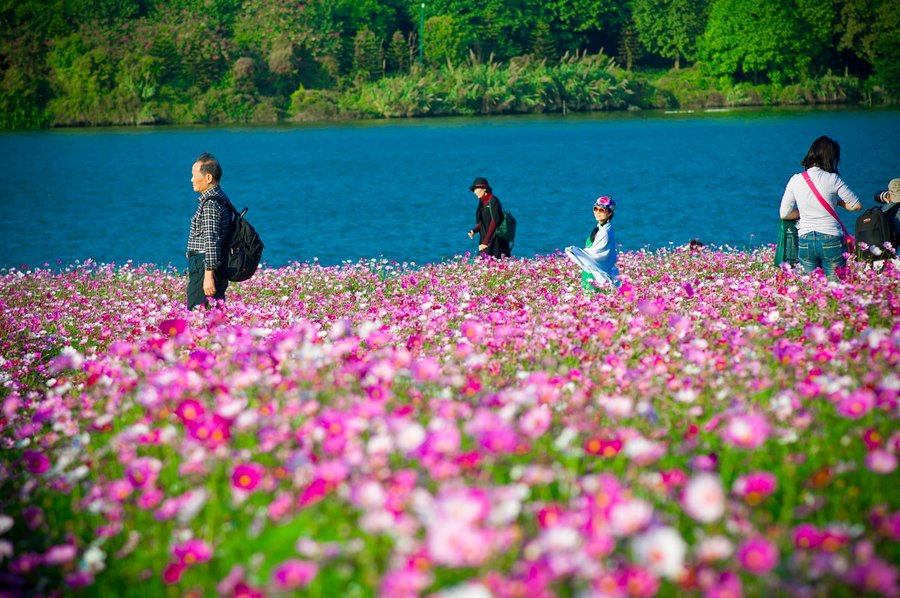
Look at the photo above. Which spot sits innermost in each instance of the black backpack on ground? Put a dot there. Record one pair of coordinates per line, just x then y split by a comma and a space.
242, 248
874, 227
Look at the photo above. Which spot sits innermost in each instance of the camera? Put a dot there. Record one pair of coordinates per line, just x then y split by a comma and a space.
883, 197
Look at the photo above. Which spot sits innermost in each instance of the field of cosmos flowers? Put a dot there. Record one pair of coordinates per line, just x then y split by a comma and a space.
715, 427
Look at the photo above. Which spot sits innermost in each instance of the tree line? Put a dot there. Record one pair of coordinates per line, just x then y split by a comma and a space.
94, 62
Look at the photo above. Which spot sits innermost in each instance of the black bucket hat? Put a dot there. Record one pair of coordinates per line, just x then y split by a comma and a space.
480, 183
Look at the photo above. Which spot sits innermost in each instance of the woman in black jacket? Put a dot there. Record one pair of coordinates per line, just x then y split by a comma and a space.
488, 216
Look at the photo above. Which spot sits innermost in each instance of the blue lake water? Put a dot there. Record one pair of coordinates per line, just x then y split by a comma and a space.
398, 190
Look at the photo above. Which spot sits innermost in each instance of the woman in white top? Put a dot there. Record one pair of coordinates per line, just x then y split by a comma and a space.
821, 242
598, 258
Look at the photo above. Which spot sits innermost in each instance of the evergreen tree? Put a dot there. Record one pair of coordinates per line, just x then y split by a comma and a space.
398, 53
542, 44
367, 60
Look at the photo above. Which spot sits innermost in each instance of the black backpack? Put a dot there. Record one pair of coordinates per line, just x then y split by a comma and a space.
242, 248
874, 227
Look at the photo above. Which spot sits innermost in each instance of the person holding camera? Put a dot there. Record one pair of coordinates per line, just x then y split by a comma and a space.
891, 197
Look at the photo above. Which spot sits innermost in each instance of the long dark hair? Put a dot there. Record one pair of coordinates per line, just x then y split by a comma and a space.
824, 153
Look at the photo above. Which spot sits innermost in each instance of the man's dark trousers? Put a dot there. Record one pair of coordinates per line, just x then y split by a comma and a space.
196, 272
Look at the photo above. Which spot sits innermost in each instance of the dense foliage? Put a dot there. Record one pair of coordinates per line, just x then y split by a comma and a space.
715, 427
71, 62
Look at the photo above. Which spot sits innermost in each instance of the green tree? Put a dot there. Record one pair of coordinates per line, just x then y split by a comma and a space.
22, 100
398, 53
543, 47
753, 38
629, 48
367, 55
670, 28
444, 41
887, 47
83, 78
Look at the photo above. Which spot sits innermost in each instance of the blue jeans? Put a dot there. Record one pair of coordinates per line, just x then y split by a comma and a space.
817, 250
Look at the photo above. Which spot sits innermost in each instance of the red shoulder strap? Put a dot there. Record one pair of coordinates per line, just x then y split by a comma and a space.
824, 203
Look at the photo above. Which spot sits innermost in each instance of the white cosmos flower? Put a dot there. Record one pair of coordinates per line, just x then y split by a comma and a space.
661, 550
704, 498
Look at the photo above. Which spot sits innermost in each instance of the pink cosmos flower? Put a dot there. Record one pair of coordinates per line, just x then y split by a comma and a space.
637, 582
748, 430
857, 404
247, 476
881, 461
872, 438
57, 555
280, 507
36, 462
603, 447
472, 331
143, 471
151, 497
314, 492
755, 487
189, 411
119, 490
426, 369
173, 327
535, 421
758, 555
173, 572
192, 552
807, 536
294, 573
703, 498
875, 576
628, 517
458, 545
728, 585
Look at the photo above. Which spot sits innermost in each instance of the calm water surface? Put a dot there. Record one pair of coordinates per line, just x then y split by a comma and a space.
399, 189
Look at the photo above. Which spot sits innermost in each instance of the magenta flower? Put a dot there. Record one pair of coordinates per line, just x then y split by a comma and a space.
190, 411
316, 491
36, 463
172, 327
755, 487
637, 582
294, 573
143, 471
192, 552
758, 555
247, 476
173, 572
807, 536
748, 430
